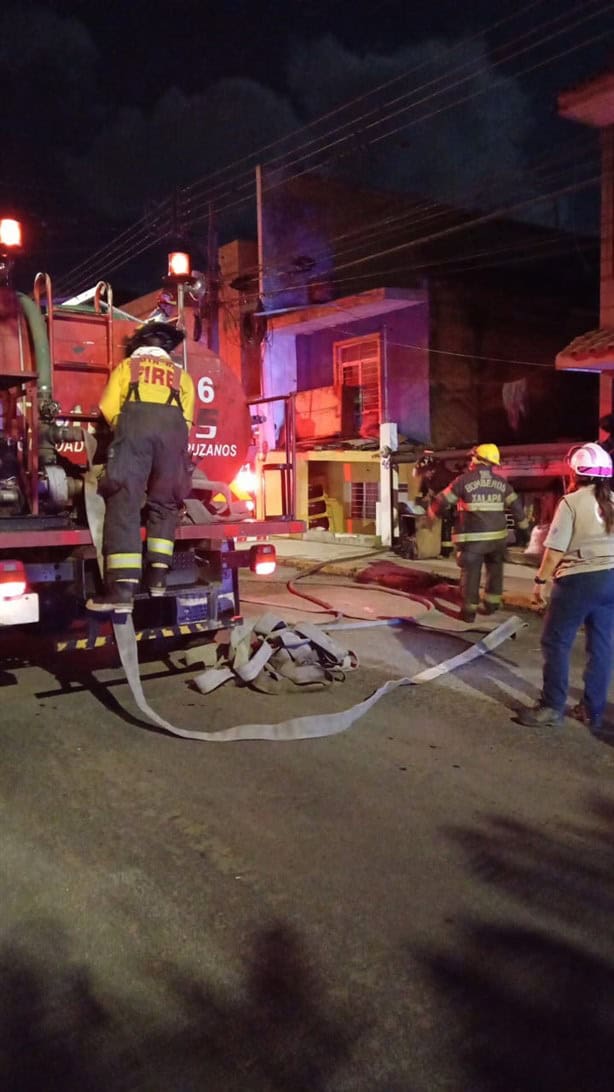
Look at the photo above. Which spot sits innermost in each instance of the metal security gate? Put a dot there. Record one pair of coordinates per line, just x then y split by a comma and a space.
357, 374
363, 501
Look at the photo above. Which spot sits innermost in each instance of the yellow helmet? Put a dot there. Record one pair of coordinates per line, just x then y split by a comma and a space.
488, 452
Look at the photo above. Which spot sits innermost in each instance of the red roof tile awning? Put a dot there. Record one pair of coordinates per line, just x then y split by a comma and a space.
593, 351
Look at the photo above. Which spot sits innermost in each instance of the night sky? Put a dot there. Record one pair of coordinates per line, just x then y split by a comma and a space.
106, 108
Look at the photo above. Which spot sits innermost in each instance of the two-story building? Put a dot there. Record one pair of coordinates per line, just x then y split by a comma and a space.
381, 309
593, 104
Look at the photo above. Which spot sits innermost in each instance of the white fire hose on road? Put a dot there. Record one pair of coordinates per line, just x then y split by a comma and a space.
307, 727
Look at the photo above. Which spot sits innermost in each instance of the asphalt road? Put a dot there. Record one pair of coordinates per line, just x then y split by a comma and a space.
423, 903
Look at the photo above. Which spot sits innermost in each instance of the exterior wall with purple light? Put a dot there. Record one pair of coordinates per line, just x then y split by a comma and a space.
404, 364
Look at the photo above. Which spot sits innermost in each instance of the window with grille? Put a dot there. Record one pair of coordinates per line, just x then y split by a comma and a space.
363, 499
357, 374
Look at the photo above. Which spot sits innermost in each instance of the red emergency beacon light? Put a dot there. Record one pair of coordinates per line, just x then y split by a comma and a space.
179, 264
10, 234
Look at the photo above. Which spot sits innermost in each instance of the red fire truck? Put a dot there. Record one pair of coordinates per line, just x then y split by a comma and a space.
54, 363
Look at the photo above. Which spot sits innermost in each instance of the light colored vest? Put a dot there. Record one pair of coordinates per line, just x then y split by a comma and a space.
591, 548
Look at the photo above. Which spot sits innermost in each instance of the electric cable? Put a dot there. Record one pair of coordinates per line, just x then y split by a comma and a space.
149, 242
390, 221
372, 91
435, 264
566, 157
426, 214
234, 203
446, 352
485, 218
298, 174
447, 86
445, 89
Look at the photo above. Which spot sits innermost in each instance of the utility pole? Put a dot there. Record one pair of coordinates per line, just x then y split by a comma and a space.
213, 286
260, 230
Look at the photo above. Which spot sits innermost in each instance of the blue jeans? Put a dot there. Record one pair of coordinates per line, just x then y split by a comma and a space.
582, 599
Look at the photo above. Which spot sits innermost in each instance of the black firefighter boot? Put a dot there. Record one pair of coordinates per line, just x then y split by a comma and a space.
118, 598
467, 614
488, 608
155, 579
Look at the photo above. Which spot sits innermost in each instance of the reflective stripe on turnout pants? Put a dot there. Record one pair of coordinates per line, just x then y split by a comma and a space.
147, 460
470, 558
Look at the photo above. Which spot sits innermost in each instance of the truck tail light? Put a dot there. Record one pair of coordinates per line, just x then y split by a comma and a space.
13, 581
263, 559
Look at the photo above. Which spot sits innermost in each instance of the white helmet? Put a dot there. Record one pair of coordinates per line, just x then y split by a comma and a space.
591, 461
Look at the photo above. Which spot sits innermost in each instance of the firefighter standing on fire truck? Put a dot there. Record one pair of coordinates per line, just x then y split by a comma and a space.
149, 401
481, 497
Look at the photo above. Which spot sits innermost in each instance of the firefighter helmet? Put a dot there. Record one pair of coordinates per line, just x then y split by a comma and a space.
164, 334
487, 453
590, 461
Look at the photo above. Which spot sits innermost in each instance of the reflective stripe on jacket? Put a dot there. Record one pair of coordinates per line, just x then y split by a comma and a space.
481, 498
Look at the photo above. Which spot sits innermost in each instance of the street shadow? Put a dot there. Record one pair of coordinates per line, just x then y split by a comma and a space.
493, 675
605, 734
76, 672
527, 995
59, 1032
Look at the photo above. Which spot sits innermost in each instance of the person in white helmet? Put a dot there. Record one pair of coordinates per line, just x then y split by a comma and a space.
579, 557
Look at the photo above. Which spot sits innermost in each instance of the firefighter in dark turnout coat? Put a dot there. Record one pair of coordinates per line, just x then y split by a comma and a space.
149, 401
482, 497
434, 477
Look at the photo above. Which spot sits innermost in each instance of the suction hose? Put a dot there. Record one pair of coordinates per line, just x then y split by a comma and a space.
42, 355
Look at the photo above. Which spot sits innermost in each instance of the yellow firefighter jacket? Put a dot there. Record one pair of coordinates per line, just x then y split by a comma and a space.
156, 377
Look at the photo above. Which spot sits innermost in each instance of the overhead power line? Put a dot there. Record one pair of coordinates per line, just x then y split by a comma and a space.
286, 179
353, 124
430, 211
166, 206
460, 262
259, 154
427, 211
357, 129
574, 187
124, 248
532, 250
450, 352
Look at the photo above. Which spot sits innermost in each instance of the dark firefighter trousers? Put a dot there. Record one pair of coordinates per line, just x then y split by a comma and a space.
447, 526
470, 557
147, 464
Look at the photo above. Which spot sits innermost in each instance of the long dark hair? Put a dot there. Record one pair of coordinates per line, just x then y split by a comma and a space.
602, 488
